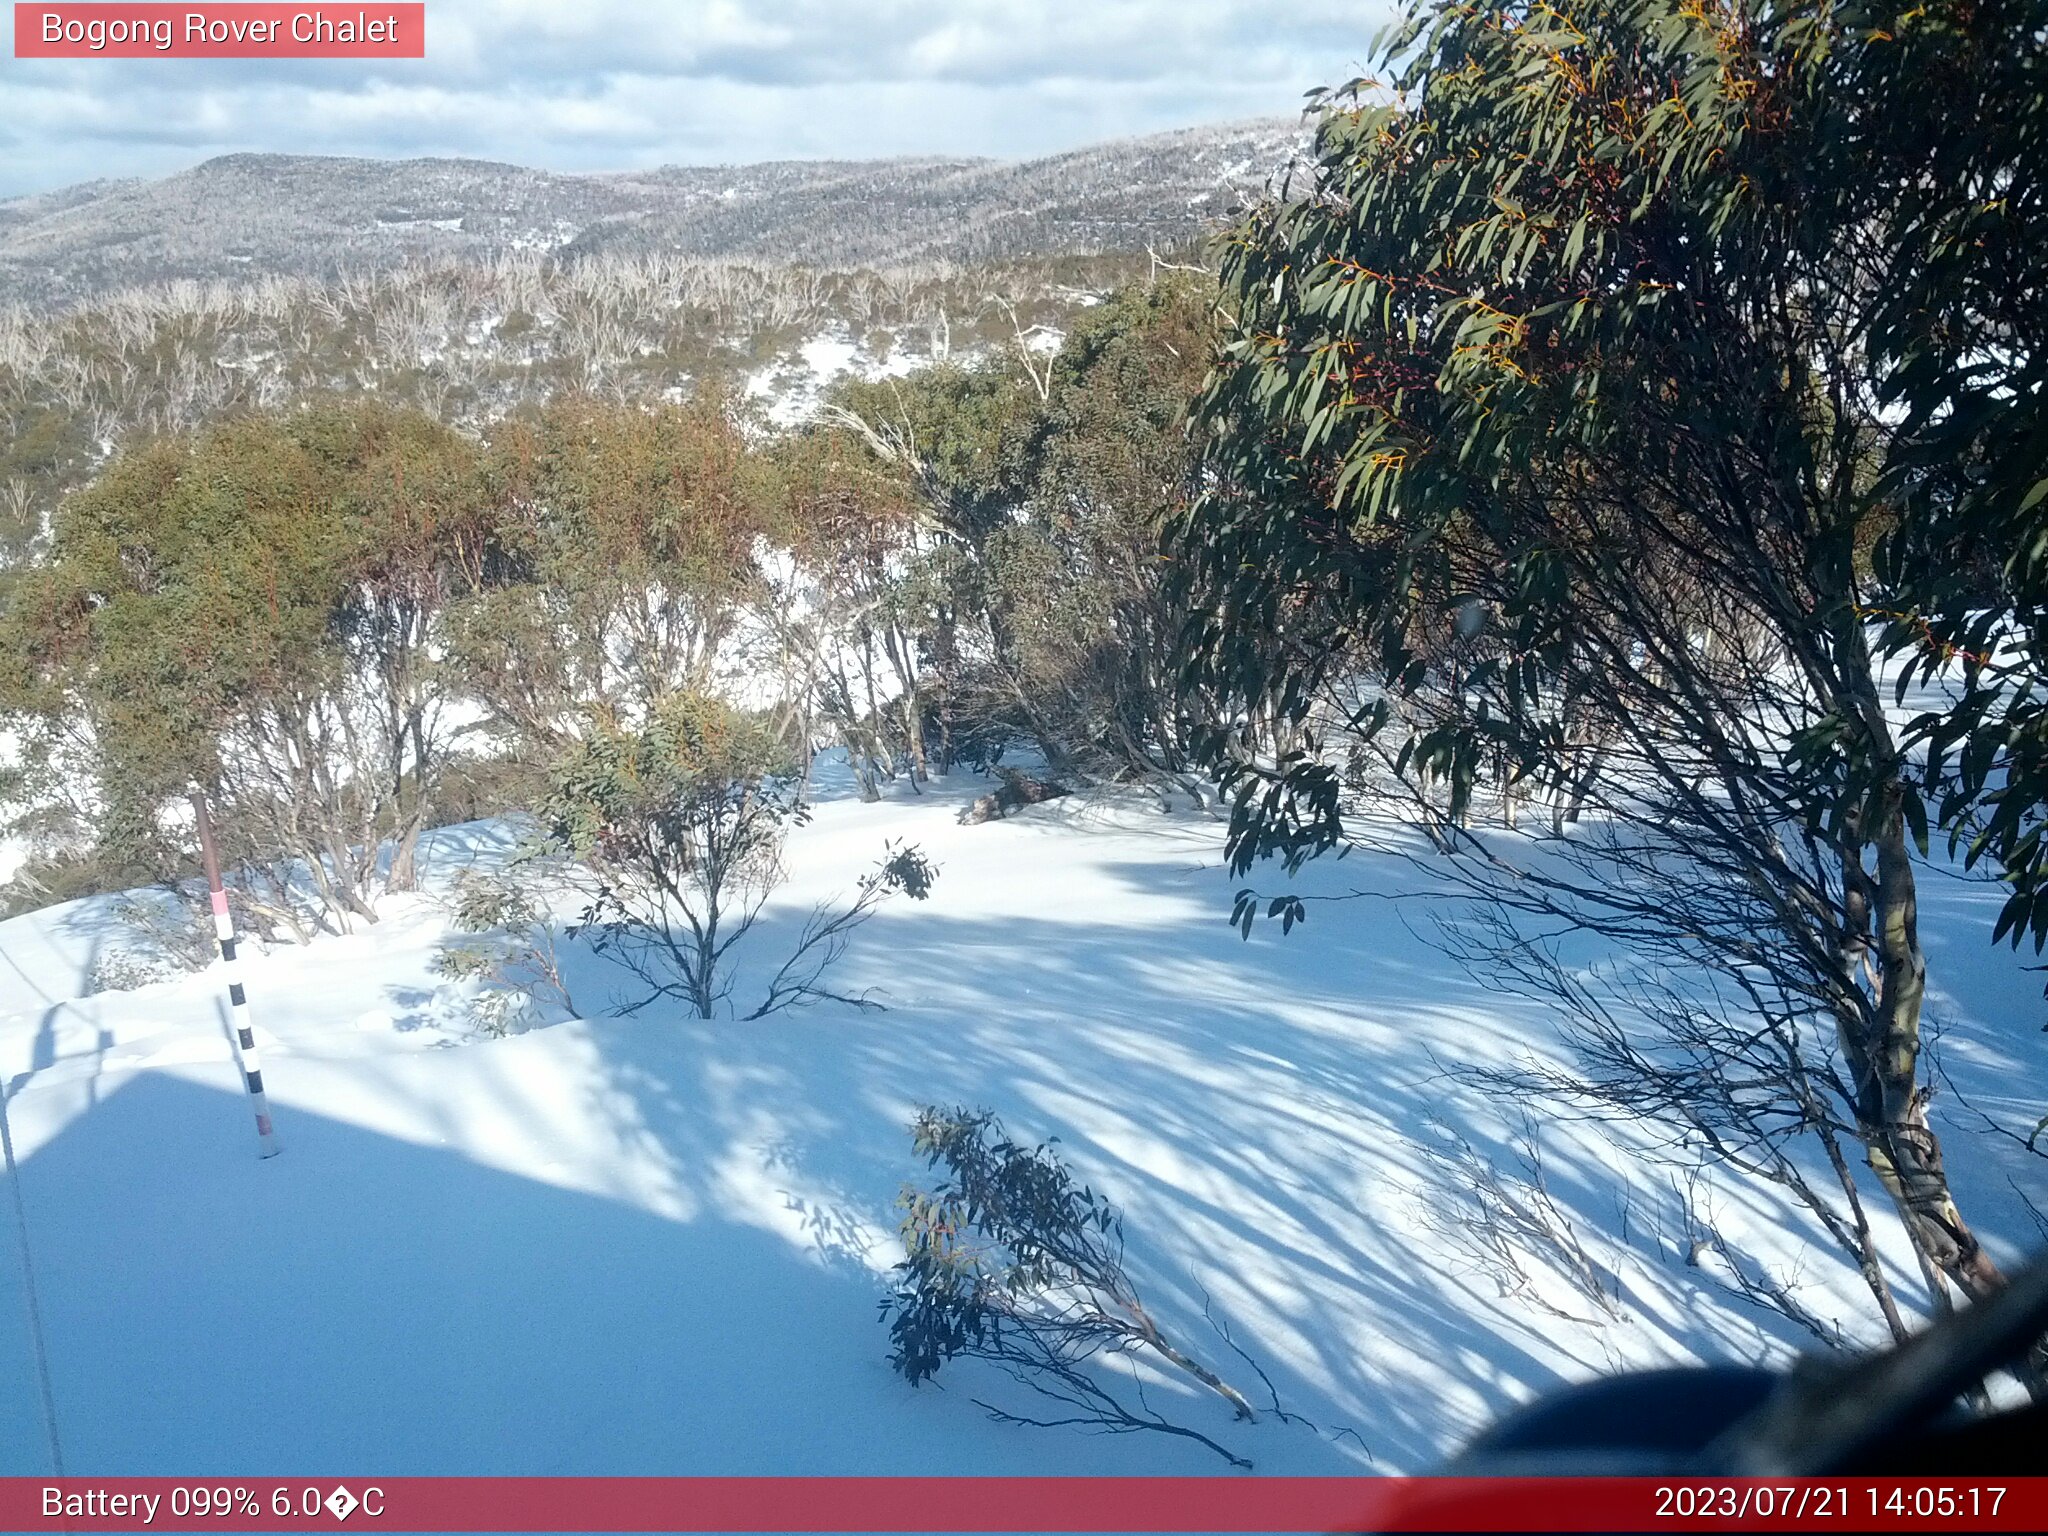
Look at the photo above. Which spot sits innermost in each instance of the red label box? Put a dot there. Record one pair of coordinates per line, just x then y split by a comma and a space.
372, 30
1049, 1504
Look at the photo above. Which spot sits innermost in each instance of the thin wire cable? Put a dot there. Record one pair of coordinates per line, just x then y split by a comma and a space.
28, 1291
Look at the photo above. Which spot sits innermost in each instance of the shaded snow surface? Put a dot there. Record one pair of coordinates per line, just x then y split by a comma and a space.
648, 1245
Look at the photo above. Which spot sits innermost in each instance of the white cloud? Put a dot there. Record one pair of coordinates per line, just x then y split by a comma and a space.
606, 84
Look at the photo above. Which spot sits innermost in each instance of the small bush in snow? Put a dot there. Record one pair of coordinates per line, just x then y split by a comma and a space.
178, 929
1009, 1260
677, 827
123, 970
510, 954
167, 937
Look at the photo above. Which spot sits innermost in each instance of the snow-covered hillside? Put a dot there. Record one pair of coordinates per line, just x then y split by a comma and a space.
245, 216
653, 1246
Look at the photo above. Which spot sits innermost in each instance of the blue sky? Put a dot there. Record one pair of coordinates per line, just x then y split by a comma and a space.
606, 85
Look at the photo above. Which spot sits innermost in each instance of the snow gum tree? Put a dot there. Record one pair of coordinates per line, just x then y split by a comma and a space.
1002, 524
1551, 443
1093, 628
678, 824
257, 609
945, 456
624, 552
867, 618
1966, 561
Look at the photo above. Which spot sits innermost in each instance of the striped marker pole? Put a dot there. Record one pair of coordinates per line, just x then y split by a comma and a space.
238, 1000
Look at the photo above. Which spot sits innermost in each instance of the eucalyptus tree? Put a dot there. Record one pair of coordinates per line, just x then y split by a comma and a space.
1012, 546
624, 557
859, 612
1551, 437
1078, 576
258, 609
943, 458
1966, 564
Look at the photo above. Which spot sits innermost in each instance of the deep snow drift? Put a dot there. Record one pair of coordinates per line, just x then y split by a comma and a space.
656, 1246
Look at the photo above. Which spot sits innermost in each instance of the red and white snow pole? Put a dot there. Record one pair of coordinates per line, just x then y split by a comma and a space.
238, 1000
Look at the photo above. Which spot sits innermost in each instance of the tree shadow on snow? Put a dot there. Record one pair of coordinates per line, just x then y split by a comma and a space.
1256, 1109
367, 1304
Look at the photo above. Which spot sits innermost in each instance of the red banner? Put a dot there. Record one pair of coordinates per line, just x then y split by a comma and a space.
109, 31
1022, 1504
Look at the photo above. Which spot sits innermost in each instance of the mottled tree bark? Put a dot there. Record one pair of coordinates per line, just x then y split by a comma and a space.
1881, 1042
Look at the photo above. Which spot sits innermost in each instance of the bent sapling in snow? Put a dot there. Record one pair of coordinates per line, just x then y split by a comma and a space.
1009, 1260
1018, 791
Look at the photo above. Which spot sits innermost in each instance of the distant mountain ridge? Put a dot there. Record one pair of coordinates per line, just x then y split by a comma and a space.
253, 214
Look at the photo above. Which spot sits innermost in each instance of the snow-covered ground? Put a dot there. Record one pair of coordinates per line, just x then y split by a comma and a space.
655, 1246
